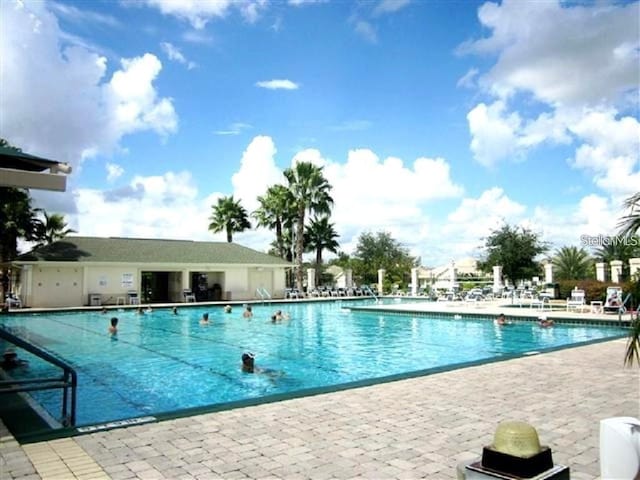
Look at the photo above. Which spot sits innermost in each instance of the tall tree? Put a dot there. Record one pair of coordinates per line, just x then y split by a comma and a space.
310, 193
52, 229
320, 235
515, 249
18, 220
630, 223
572, 263
275, 213
381, 250
229, 216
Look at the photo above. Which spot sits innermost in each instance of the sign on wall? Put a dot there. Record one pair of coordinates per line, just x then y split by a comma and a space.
102, 281
127, 280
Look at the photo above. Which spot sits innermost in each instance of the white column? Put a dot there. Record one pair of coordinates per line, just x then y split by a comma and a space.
185, 280
616, 270
601, 272
634, 267
381, 273
497, 278
348, 277
548, 272
414, 281
452, 274
311, 279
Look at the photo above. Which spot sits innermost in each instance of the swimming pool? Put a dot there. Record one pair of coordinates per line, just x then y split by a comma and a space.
161, 363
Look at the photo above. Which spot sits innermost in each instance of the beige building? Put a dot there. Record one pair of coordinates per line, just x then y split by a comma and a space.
78, 271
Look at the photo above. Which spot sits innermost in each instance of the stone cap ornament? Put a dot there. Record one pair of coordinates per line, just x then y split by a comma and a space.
516, 451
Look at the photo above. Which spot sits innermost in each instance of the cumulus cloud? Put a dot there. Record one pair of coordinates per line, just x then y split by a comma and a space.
147, 207
278, 84
610, 151
70, 110
257, 172
580, 64
562, 54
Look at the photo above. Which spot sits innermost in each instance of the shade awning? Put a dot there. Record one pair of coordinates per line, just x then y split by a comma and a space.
22, 170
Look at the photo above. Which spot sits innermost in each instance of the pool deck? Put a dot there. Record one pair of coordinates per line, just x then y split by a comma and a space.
415, 428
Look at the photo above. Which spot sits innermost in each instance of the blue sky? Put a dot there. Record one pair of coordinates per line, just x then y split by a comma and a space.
434, 121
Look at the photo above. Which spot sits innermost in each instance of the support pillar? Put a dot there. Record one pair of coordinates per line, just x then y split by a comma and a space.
381, 273
548, 272
634, 267
601, 272
311, 279
348, 278
452, 275
414, 281
616, 271
497, 279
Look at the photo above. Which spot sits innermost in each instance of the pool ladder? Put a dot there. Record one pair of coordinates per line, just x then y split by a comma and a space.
367, 289
68, 382
263, 293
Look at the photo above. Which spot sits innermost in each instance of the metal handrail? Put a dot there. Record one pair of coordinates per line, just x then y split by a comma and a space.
68, 382
368, 290
263, 293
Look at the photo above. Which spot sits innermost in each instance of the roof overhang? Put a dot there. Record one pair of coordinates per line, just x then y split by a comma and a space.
18, 169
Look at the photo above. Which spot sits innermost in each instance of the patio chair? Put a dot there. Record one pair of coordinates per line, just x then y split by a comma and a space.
13, 301
576, 301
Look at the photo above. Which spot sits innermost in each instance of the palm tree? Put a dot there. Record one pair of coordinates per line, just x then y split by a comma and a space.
229, 216
17, 221
571, 263
275, 212
310, 192
320, 235
630, 223
52, 229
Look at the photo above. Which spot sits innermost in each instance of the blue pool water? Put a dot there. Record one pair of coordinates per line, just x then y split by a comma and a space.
162, 363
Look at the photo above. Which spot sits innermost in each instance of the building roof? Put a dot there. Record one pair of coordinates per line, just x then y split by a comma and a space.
146, 251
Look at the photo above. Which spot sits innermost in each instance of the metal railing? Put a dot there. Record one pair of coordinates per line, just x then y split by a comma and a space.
68, 381
367, 289
263, 293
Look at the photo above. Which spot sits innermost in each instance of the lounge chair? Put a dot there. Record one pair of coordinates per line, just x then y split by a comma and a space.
576, 301
541, 302
613, 302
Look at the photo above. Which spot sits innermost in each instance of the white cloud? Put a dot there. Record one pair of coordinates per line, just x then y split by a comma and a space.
176, 55
69, 110
351, 126
148, 207
134, 101
390, 6
257, 172
494, 133
611, 151
233, 129
469, 79
198, 12
114, 171
562, 54
366, 30
276, 84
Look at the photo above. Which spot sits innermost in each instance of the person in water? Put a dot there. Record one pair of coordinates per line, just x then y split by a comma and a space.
10, 360
249, 366
227, 309
205, 319
113, 327
248, 313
